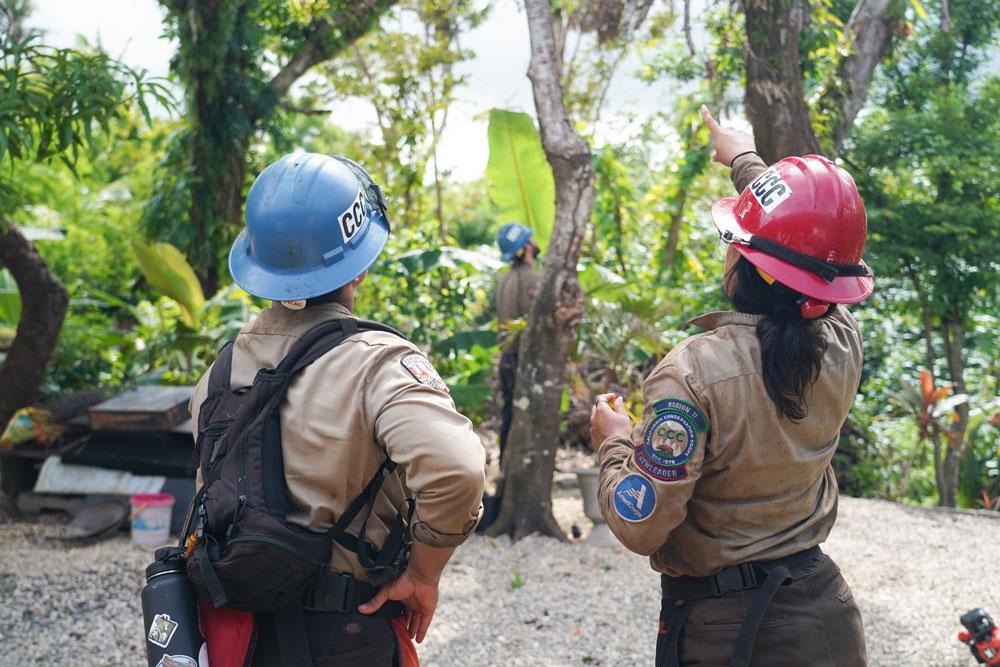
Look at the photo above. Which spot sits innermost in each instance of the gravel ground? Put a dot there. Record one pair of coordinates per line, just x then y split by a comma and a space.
536, 602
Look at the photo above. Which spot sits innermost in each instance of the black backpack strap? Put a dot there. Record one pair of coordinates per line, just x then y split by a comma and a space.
383, 565
222, 369
338, 532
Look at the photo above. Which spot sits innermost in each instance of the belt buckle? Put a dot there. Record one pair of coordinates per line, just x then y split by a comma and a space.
733, 579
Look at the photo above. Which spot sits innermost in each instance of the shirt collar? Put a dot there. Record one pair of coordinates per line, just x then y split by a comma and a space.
721, 318
324, 308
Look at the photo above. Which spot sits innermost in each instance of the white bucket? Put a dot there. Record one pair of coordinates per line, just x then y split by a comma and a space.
151, 514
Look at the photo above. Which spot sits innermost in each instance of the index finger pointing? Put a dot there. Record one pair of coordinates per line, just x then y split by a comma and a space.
709, 120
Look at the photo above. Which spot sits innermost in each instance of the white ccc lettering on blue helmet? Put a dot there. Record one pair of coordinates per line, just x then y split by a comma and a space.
355, 217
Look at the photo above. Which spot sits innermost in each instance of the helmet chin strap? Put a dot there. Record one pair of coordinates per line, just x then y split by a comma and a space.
809, 308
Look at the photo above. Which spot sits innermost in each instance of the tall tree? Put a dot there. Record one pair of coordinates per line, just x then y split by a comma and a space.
775, 83
223, 46
929, 153
558, 305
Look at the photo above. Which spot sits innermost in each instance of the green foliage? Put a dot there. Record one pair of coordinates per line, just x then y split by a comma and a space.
519, 174
408, 73
927, 153
10, 300
55, 101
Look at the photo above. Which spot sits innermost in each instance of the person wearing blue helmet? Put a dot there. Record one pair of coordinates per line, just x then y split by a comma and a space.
516, 290
371, 407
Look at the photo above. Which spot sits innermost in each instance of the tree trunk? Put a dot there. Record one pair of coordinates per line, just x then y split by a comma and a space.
954, 331
774, 90
558, 306
774, 85
44, 306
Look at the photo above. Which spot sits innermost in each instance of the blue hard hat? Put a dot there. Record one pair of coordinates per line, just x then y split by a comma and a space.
511, 238
313, 224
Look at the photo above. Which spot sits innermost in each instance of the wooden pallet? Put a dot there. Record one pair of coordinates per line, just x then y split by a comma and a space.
143, 409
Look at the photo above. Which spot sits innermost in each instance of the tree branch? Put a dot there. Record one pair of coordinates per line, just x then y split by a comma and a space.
687, 29
44, 305
869, 34
328, 35
304, 110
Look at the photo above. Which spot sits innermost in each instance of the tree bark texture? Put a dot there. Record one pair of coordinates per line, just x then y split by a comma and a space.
558, 305
44, 303
774, 82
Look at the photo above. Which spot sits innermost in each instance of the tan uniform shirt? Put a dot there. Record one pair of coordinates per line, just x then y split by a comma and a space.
713, 474
515, 291
344, 413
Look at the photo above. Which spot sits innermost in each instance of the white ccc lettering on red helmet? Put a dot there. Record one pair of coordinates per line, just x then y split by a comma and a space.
769, 189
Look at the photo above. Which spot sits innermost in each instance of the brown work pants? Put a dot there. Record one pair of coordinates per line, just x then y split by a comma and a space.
811, 622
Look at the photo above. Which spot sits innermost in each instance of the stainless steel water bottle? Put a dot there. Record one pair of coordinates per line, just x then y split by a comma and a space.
170, 615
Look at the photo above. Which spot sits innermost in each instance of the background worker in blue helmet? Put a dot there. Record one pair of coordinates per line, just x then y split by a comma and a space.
314, 226
515, 292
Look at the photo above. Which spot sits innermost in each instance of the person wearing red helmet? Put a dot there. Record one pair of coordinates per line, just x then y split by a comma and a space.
726, 482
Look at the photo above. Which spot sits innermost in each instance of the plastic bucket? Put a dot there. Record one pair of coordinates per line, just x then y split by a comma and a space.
151, 518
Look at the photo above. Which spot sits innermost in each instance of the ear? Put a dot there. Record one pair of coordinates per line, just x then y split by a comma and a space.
360, 279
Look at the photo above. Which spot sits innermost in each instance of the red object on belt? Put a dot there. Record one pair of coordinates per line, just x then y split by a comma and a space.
407, 651
229, 633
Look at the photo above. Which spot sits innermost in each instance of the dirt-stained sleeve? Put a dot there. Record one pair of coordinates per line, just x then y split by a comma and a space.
746, 168
416, 421
646, 480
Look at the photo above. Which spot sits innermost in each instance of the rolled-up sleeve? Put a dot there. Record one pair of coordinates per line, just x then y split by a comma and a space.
442, 458
646, 481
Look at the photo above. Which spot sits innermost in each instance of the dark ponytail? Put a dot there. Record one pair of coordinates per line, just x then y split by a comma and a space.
791, 347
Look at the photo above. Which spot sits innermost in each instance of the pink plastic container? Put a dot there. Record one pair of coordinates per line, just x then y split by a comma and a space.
151, 518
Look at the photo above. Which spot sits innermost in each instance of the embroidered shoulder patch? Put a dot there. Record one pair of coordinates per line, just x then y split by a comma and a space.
769, 189
635, 498
420, 368
670, 439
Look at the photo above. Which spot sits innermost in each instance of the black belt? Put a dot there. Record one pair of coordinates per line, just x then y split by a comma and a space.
742, 577
337, 592
767, 575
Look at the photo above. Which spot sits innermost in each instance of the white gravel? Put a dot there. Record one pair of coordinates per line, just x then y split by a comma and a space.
536, 602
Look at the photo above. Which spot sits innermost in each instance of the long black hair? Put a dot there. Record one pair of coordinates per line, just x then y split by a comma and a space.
791, 347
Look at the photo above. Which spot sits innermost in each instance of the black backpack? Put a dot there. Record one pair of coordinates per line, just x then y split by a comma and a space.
240, 550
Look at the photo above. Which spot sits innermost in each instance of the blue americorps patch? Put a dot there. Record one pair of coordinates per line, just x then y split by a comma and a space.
634, 498
670, 439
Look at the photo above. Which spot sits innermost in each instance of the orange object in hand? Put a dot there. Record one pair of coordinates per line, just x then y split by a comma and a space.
635, 420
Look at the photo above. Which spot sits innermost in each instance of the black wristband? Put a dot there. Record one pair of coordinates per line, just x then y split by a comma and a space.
738, 156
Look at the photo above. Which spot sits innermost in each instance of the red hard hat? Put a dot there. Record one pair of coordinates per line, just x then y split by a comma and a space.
803, 223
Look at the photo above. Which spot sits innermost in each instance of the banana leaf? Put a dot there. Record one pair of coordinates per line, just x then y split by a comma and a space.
519, 175
166, 269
